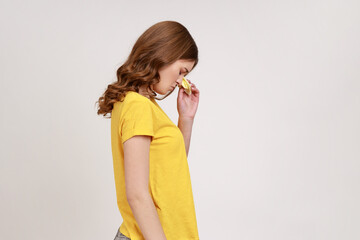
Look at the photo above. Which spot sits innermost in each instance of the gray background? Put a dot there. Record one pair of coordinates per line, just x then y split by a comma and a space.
275, 148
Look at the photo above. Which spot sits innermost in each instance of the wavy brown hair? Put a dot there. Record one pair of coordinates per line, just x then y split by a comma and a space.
160, 45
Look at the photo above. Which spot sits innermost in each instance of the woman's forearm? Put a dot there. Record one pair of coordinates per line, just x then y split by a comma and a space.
185, 126
147, 218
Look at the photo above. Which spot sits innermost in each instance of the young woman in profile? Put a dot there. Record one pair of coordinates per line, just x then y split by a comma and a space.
152, 179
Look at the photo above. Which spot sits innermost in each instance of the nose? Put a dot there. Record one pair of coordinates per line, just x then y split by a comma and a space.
178, 81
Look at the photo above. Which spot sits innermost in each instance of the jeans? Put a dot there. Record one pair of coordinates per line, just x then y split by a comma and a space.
120, 236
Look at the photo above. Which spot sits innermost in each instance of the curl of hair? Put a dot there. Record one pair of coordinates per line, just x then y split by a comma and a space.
159, 46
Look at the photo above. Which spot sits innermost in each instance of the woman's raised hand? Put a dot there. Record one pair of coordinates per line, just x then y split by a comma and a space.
187, 105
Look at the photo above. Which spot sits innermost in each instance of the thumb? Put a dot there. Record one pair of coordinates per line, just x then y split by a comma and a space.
181, 93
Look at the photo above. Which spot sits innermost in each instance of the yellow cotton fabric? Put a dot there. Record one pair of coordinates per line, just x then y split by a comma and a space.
169, 177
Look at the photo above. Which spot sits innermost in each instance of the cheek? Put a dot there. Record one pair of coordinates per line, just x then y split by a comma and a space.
177, 75
170, 77
174, 75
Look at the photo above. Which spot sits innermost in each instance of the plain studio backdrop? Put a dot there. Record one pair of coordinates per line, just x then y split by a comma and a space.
275, 148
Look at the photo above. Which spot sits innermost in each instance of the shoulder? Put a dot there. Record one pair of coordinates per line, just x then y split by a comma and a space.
133, 98
130, 98
135, 102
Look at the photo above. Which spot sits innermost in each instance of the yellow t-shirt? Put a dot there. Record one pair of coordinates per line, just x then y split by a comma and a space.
169, 176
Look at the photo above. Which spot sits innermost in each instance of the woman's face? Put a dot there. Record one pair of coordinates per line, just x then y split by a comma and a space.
171, 75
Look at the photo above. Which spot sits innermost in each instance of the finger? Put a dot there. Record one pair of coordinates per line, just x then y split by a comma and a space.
180, 90
193, 87
181, 93
196, 92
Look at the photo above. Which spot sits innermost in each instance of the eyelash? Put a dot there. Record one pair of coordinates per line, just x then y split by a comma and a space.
180, 74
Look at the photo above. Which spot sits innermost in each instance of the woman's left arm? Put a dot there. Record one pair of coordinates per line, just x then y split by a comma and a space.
187, 107
185, 125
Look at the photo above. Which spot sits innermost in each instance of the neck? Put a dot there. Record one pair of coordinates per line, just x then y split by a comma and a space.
143, 91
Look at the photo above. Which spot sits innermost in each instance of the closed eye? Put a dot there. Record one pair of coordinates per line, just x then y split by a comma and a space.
184, 75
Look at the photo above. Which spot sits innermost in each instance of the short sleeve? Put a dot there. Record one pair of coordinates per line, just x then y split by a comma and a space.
137, 119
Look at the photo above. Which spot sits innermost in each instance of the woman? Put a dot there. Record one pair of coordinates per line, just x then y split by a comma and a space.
151, 172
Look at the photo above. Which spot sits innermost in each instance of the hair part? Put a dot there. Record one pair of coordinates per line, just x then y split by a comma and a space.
159, 46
